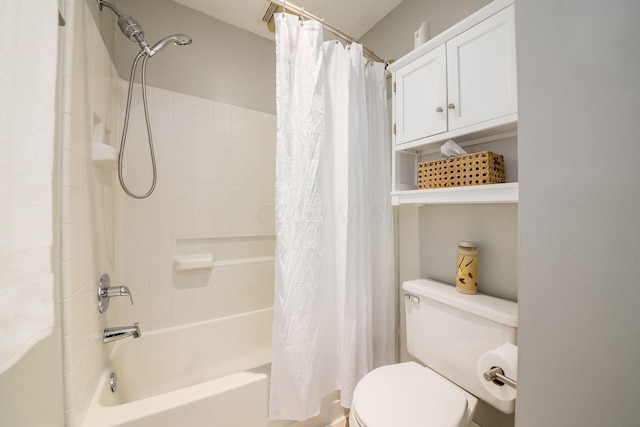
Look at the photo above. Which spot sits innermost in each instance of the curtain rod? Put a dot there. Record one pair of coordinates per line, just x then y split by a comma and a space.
344, 36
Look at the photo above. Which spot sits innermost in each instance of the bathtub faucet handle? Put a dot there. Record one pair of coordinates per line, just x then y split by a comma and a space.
118, 291
105, 292
124, 291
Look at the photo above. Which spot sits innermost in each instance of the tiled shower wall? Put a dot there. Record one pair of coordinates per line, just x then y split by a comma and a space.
214, 196
215, 193
87, 196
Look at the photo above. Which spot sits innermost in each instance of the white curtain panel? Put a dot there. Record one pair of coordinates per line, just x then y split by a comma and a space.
28, 72
334, 308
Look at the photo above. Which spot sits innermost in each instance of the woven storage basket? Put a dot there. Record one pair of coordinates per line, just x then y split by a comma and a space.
479, 168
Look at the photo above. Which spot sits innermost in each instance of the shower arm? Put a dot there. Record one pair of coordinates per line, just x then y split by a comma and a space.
115, 10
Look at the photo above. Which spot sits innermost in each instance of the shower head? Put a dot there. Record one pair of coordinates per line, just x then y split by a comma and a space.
177, 39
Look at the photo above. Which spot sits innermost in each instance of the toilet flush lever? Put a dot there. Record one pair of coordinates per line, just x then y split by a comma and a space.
496, 375
414, 299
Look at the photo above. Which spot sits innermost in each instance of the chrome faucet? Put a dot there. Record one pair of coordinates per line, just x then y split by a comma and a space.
117, 333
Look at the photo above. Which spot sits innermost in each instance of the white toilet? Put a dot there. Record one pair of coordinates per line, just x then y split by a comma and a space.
448, 332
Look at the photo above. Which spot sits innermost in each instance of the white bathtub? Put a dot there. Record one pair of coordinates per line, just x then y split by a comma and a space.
213, 374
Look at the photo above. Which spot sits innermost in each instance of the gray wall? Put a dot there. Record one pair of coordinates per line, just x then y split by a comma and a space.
224, 63
427, 236
392, 37
579, 102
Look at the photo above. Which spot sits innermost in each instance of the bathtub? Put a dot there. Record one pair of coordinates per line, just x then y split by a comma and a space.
213, 374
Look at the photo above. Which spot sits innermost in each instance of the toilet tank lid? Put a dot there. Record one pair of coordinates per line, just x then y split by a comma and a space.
492, 308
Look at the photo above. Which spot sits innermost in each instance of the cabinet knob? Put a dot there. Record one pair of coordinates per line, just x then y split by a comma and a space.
438, 109
451, 106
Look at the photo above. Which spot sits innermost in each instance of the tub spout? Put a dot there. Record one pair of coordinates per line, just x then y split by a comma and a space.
114, 334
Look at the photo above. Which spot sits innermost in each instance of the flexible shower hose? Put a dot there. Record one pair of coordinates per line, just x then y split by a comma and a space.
144, 57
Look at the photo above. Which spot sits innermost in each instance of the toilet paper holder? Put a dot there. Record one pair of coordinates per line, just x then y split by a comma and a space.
496, 375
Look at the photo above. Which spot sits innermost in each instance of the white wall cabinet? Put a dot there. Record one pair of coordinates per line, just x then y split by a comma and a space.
421, 97
460, 85
481, 72
468, 80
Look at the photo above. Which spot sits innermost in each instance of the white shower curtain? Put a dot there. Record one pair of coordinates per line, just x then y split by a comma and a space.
334, 308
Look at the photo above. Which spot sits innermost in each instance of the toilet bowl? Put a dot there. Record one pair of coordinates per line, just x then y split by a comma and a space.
409, 395
448, 332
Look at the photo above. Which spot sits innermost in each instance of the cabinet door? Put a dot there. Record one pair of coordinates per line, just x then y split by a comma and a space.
421, 97
481, 65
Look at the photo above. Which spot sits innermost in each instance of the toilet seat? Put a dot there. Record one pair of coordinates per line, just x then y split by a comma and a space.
409, 395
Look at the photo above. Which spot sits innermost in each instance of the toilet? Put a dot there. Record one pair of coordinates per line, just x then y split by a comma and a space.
448, 332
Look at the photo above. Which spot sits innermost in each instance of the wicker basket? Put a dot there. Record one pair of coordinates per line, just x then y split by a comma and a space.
479, 168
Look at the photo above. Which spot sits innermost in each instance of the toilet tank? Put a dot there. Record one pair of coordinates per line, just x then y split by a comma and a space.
448, 331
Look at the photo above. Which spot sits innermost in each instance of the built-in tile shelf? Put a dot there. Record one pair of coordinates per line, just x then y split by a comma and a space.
193, 253
203, 261
104, 156
193, 262
491, 193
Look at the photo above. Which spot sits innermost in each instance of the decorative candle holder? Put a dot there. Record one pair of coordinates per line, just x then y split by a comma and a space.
467, 268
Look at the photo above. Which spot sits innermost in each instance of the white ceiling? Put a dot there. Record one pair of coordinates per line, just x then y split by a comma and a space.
354, 17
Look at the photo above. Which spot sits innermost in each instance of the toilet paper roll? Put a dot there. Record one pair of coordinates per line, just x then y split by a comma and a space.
421, 36
505, 357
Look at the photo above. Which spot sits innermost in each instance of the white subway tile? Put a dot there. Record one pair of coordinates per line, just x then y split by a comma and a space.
184, 119
202, 227
74, 205
183, 209
159, 320
239, 113
162, 98
136, 266
182, 227
184, 137
184, 172
184, 102
204, 173
215, 184
140, 305
221, 126
75, 273
161, 264
182, 316
203, 106
75, 240
221, 110
221, 227
242, 289
181, 299
162, 115
137, 246
160, 245
159, 283
159, 301
74, 171
203, 122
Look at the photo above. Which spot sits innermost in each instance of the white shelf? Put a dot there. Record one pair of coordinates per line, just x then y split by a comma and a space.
500, 127
104, 156
193, 262
491, 193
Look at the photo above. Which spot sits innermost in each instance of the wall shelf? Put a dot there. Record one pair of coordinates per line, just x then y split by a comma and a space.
491, 193
498, 128
193, 262
104, 156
